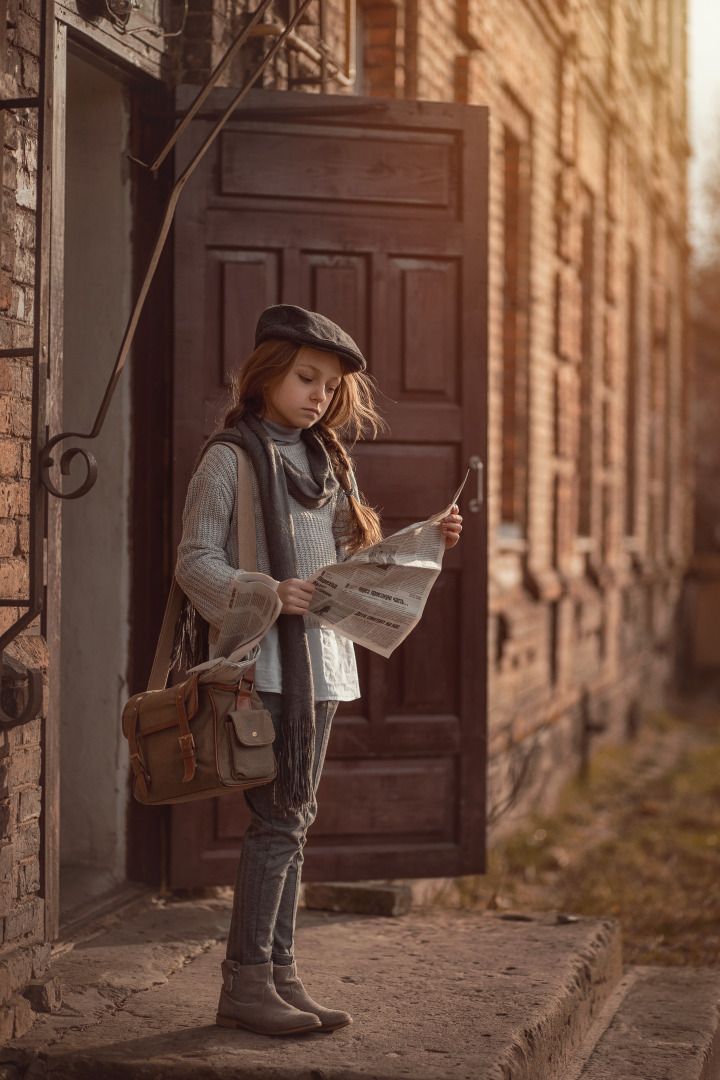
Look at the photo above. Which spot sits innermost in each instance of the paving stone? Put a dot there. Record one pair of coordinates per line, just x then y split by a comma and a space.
359, 897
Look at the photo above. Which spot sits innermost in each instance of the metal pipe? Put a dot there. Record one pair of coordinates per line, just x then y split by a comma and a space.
325, 61
294, 41
350, 41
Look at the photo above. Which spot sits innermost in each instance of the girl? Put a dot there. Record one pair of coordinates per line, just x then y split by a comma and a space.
304, 383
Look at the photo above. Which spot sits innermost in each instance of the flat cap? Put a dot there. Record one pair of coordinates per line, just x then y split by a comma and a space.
308, 328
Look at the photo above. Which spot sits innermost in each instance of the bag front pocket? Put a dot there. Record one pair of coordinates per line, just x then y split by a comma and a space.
250, 735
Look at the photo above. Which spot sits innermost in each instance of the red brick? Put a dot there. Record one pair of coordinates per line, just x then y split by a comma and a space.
7, 817
30, 804
29, 877
26, 842
6, 375
28, 37
379, 36
8, 538
24, 769
22, 336
11, 132
6, 291
24, 270
10, 454
24, 921
30, 74
14, 499
32, 730
6, 858
33, 8
8, 248
22, 419
8, 616
381, 56
24, 229
9, 172
379, 15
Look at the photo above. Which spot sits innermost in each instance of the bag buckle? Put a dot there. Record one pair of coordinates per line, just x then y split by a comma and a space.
187, 744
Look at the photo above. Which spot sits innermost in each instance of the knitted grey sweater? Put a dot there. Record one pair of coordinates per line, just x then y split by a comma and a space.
207, 561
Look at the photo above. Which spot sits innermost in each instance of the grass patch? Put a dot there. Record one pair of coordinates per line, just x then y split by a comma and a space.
638, 839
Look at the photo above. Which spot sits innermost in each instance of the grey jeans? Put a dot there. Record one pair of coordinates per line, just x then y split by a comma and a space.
268, 878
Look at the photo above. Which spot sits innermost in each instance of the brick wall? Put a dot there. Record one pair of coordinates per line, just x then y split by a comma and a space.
23, 956
589, 491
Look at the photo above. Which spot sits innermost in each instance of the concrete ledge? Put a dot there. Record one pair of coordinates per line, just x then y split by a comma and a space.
667, 1027
437, 995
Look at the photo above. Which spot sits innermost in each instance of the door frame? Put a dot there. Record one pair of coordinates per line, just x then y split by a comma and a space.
148, 352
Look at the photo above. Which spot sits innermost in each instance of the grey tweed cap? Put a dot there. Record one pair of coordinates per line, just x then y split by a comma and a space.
308, 328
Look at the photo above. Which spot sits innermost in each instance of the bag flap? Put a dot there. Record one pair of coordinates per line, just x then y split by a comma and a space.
129, 712
253, 727
152, 705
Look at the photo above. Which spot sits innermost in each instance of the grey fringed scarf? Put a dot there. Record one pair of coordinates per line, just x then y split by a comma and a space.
277, 479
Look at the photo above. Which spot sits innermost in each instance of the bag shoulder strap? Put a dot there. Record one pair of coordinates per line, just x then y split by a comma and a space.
247, 558
247, 541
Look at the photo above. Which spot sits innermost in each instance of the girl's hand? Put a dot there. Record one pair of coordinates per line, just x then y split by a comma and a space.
295, 595
451, 527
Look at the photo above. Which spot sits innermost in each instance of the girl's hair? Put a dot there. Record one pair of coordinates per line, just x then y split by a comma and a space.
351, 413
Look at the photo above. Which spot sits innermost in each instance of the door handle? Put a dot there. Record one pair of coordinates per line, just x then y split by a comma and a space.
477, 466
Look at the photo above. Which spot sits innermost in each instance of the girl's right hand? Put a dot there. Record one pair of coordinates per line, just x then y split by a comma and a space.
295, 595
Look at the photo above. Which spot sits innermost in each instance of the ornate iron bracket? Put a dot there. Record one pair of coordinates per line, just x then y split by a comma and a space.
43, 461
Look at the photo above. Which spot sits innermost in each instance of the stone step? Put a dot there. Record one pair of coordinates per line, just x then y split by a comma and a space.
658, 1024
436, 995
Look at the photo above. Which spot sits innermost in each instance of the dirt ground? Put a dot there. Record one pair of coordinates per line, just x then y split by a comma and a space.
638, 838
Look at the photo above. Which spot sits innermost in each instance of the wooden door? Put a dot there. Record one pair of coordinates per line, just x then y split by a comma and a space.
374, 213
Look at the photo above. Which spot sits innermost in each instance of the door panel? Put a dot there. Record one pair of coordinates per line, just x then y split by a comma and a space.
368, 219
364, 167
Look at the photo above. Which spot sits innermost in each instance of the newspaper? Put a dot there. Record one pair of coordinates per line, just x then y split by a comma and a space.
376, 597
253, 607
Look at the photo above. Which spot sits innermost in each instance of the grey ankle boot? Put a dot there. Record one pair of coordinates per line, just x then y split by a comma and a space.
292, 991
249, 1000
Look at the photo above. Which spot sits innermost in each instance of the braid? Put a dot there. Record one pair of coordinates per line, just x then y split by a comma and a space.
364, 524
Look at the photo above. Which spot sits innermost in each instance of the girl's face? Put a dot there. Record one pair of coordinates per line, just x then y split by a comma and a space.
306, 391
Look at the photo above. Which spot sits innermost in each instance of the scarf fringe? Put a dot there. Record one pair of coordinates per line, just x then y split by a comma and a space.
190, 644
293, 788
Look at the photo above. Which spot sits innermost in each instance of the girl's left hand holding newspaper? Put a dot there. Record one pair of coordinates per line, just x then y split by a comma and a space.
451, 527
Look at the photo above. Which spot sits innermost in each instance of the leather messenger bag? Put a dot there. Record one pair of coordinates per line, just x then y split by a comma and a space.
197, 740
